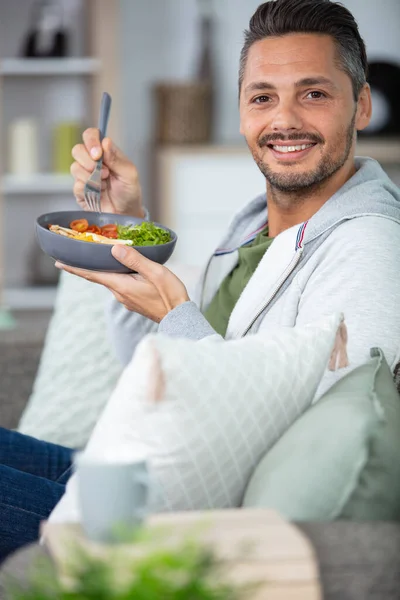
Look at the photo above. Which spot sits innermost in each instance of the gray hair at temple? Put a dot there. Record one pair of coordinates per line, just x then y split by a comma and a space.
281, 17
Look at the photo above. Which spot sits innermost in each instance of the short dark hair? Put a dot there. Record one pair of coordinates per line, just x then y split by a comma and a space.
282, 17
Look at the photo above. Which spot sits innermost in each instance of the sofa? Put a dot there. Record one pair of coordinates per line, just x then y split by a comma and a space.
356, 560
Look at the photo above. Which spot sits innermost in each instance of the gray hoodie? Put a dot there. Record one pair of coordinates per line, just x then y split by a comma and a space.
345, 259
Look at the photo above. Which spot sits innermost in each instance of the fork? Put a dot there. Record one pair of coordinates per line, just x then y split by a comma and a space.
92, 190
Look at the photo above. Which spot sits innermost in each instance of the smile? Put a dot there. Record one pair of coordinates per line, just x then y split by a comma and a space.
285, 149
288, 154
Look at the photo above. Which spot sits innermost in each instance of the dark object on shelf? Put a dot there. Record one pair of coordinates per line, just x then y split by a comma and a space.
205, 65
384, 79
46, 37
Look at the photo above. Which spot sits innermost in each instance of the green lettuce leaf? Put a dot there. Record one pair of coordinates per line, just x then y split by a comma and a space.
145, 234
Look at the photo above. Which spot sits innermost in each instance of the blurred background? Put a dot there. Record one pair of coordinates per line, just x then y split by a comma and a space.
171, 68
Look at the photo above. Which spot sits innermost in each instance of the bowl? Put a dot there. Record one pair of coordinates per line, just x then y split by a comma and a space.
90, 255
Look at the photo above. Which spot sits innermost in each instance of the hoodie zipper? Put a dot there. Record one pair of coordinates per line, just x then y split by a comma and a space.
289, 270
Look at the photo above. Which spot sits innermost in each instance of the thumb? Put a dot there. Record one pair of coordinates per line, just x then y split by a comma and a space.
116, 161
170, 289
134, 260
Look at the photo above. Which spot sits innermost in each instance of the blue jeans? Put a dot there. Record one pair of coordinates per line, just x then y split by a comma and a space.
33, 475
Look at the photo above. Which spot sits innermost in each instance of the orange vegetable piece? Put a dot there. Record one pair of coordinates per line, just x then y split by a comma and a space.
80, 225
110, 231
93, 229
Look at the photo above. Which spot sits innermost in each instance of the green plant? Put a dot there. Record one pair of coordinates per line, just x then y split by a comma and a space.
189, 571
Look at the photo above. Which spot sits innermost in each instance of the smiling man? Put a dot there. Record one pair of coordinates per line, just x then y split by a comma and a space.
323, 237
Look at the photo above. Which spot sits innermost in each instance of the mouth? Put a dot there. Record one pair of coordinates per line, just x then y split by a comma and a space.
286, 152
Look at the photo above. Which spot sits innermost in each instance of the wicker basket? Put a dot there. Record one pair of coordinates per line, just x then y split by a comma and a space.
183, 113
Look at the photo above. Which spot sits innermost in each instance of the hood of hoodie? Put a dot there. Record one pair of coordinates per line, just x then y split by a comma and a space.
368, 192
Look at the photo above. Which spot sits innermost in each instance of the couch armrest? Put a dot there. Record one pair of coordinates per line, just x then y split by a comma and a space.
357, 561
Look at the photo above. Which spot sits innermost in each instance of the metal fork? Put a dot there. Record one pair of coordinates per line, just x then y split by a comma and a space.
92, 190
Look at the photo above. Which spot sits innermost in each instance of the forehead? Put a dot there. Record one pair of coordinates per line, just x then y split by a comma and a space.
292, 55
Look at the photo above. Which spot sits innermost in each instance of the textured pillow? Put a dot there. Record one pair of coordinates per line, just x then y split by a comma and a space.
203, 413
77, 370
341, 459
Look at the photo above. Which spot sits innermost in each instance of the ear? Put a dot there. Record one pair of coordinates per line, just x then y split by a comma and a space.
364, 108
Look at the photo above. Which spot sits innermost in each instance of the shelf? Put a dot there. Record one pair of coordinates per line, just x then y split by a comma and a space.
41, 183
30, 298
48, 66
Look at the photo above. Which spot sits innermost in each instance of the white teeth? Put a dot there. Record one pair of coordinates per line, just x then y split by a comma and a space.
292, 148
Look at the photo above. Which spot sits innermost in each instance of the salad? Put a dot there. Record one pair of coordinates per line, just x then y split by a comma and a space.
145, 234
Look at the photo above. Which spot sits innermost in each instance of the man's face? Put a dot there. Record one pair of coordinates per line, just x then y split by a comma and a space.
297, 111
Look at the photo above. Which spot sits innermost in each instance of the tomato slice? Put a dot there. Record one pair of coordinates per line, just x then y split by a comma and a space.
110, 231
110, 234
93, 229
80, 225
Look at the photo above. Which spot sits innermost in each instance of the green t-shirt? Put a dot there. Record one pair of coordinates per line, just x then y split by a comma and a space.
221, 307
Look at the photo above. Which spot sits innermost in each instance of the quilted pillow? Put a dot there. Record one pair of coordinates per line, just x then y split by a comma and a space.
203, 413
77, 370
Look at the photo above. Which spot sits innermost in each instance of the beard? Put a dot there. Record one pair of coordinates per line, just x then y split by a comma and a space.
328, 165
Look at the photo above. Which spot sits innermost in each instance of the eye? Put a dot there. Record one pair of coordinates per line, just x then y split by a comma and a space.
316, 95
261, 99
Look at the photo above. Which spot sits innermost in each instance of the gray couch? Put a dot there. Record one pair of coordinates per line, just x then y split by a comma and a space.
357, 561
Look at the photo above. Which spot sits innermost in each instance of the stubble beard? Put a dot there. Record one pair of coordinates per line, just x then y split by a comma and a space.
308, 182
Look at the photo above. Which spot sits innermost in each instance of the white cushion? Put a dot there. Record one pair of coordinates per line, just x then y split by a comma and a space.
77, 370
204, 413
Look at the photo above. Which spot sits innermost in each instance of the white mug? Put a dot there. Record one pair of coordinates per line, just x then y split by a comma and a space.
113, 496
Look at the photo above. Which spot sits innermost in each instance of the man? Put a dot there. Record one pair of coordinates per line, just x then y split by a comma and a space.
324, 238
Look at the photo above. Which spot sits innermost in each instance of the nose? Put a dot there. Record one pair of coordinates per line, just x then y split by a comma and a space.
286, 117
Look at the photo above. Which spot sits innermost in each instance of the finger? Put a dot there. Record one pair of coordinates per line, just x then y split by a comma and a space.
132, 259
170, 289
82, 156
79, 173
79, 190
120, 298
91, 139
109, 280
118, 163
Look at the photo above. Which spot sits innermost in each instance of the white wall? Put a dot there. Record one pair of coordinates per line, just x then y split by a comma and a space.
158, 41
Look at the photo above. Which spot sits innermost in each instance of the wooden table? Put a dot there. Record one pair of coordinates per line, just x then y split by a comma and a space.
277, 554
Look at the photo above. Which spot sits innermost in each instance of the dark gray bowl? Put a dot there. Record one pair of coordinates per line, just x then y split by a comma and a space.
89, 255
